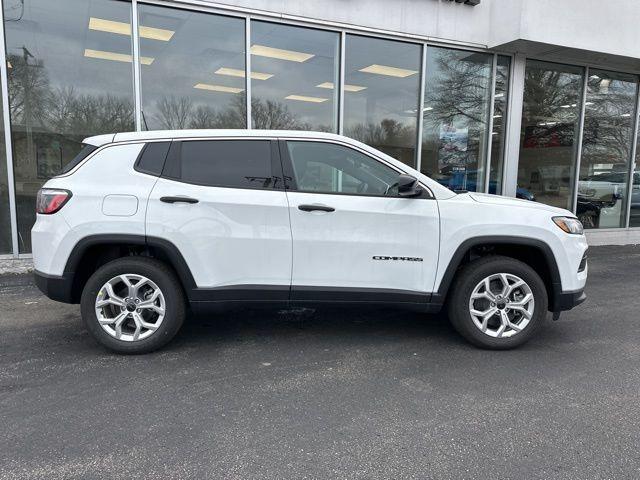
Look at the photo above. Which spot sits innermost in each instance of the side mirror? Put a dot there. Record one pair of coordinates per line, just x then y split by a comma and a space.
408, 186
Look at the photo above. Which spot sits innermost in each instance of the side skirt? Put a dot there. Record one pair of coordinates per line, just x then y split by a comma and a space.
283, 296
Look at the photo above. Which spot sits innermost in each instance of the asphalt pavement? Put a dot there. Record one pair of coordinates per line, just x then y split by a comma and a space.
325, 394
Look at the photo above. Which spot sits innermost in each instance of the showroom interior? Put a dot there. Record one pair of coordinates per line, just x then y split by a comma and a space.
504, 112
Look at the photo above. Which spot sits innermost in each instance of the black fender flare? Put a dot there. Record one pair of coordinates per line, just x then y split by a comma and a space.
169, 250
556, 284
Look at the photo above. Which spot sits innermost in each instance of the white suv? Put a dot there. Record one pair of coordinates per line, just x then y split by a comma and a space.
141, 225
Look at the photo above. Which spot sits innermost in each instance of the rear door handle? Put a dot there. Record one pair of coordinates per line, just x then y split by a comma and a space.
178, 200
316, 207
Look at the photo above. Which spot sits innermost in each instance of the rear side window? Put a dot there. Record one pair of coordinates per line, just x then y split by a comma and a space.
85, 151
152, 158
227, 163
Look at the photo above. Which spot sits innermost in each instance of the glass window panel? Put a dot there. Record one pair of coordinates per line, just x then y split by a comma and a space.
5, 219
70, 77
192, 69
456, 117
329, 168
153, 157
606, 149
227, 163
293, 76
382, 83
550, 124
499, 121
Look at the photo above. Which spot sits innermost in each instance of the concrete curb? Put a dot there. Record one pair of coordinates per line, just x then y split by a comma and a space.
16, 266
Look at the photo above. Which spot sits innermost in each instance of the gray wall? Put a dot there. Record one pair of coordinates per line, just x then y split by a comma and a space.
604, 27
429, 18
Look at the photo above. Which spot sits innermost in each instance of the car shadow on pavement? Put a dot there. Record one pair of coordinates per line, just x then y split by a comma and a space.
370, 325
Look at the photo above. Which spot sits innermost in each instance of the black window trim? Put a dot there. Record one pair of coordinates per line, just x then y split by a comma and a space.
174, 159
290, 179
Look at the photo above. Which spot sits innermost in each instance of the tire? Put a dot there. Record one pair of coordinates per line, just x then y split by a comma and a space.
170, 301
471, 278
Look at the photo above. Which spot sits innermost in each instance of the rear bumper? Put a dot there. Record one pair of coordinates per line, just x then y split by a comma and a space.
568, 300
58, 288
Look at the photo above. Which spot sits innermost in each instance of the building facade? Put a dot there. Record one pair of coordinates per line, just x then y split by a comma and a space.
536, 99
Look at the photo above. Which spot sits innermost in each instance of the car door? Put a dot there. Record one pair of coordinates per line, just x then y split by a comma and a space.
220, 202
354, 239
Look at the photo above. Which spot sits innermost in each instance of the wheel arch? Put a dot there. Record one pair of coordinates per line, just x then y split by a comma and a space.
93, 251
529, 250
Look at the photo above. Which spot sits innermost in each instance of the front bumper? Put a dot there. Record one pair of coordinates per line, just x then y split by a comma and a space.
58, 288
567, 300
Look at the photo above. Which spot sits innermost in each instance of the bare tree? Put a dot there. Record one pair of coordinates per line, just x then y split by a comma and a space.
174, 113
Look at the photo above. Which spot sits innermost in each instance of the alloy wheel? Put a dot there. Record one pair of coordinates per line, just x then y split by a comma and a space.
130, 307
501, 305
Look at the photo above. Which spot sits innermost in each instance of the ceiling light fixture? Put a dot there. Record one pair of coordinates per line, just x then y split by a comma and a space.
217, 88
388, 71
303, 98
347, 87
280, 54
122, 28
116, 57
234, 72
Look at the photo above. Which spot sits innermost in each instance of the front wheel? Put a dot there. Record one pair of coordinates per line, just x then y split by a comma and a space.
133, 305
497, 302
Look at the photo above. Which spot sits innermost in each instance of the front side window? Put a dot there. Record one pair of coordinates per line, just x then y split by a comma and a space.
227, 163
329, 168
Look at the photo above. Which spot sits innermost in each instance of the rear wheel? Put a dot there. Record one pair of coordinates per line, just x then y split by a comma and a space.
497, 302
133, 305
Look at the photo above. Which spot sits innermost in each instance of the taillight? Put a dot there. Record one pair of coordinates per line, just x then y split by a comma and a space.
50, 200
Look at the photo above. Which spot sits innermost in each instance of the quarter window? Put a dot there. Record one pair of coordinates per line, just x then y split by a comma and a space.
330, 168
152, 158
227, 163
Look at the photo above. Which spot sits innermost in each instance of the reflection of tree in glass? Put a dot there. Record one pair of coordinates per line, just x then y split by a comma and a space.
173, 113
84, 115
608, 121
546, 90
272, 115
459, 89
42, 115
29, 92
178, 113
388, 132
390, 136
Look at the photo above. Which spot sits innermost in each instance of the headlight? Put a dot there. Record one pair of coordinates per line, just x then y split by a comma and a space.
569, 225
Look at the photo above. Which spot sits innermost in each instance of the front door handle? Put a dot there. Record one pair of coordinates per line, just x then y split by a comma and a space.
316, 207
178, 200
